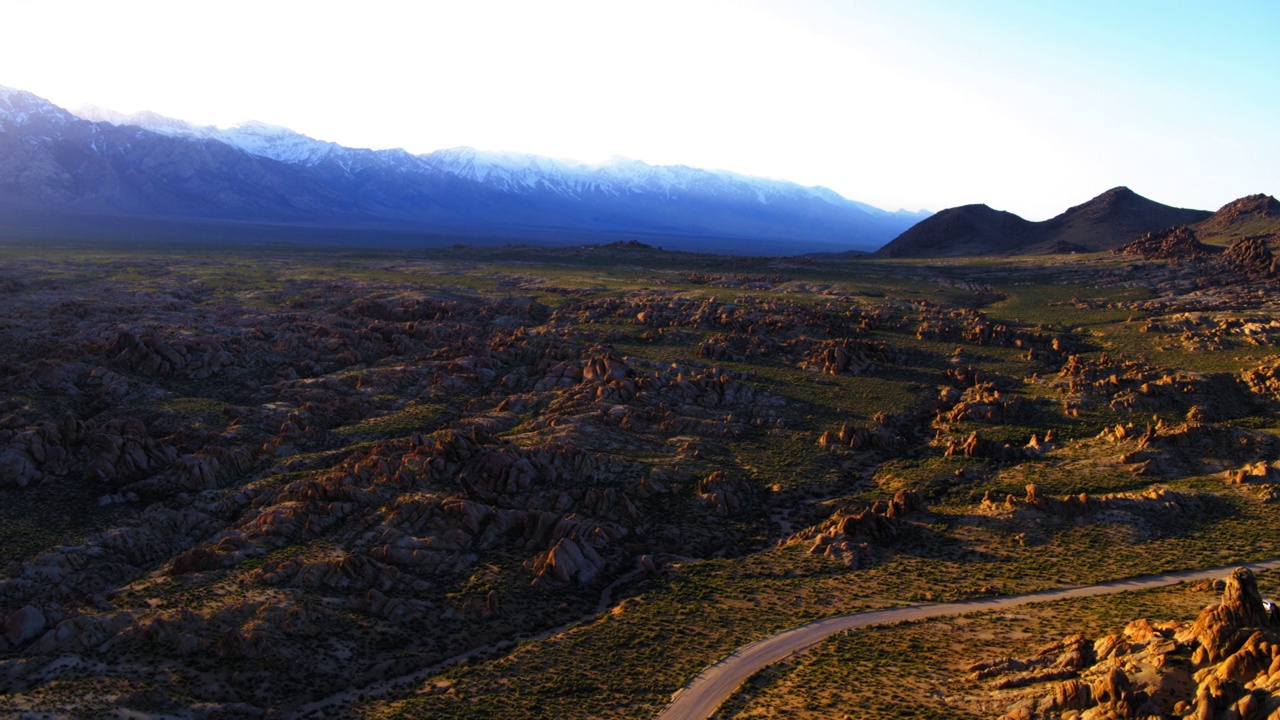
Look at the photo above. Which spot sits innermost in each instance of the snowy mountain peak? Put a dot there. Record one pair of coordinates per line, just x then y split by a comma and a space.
19, 107
509, 170
252, 136
147, 120
258, 127
278, 143
97, 113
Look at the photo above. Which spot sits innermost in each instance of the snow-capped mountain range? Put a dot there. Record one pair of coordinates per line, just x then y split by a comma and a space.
99, 161
511, 171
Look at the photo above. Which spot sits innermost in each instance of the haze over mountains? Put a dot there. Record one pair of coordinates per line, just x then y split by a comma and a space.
100, 172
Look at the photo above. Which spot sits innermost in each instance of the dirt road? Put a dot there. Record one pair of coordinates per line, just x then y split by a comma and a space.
710, 688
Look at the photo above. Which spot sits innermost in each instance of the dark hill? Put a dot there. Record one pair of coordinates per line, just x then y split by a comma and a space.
1115, 217
1109, 220
964, 230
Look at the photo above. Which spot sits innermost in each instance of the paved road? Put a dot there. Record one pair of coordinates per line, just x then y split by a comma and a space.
705, 693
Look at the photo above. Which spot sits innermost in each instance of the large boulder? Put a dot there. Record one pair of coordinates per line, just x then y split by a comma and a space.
24, 624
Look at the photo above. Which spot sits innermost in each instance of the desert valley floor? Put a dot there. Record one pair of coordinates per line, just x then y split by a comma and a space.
531, 483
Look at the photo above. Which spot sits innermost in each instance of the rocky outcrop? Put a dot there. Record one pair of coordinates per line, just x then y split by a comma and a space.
1264, 380
970, 326
848, 537
979, 403
846, 357
1224, 665
828, 338
116, 454
726, 494
1191, 447
1222, 629
975, 446
1252, 256
574, 555
1135, 386
875, 435
1150, 513
1175, 243
195, 357
24, 624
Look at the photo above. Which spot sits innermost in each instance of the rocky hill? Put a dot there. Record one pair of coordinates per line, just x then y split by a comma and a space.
1249, 216
1115, 217
1246, 225
1109, 220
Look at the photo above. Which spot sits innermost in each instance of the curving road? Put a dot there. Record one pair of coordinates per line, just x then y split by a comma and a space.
700, 697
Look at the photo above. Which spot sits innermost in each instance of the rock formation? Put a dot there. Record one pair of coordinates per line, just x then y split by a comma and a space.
1175, 243
1224, 665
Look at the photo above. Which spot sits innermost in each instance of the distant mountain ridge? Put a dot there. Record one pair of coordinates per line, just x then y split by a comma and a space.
1115, 217
54, 163
515, 172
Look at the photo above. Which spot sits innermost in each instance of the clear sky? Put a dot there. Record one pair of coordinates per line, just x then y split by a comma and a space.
1025, 105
